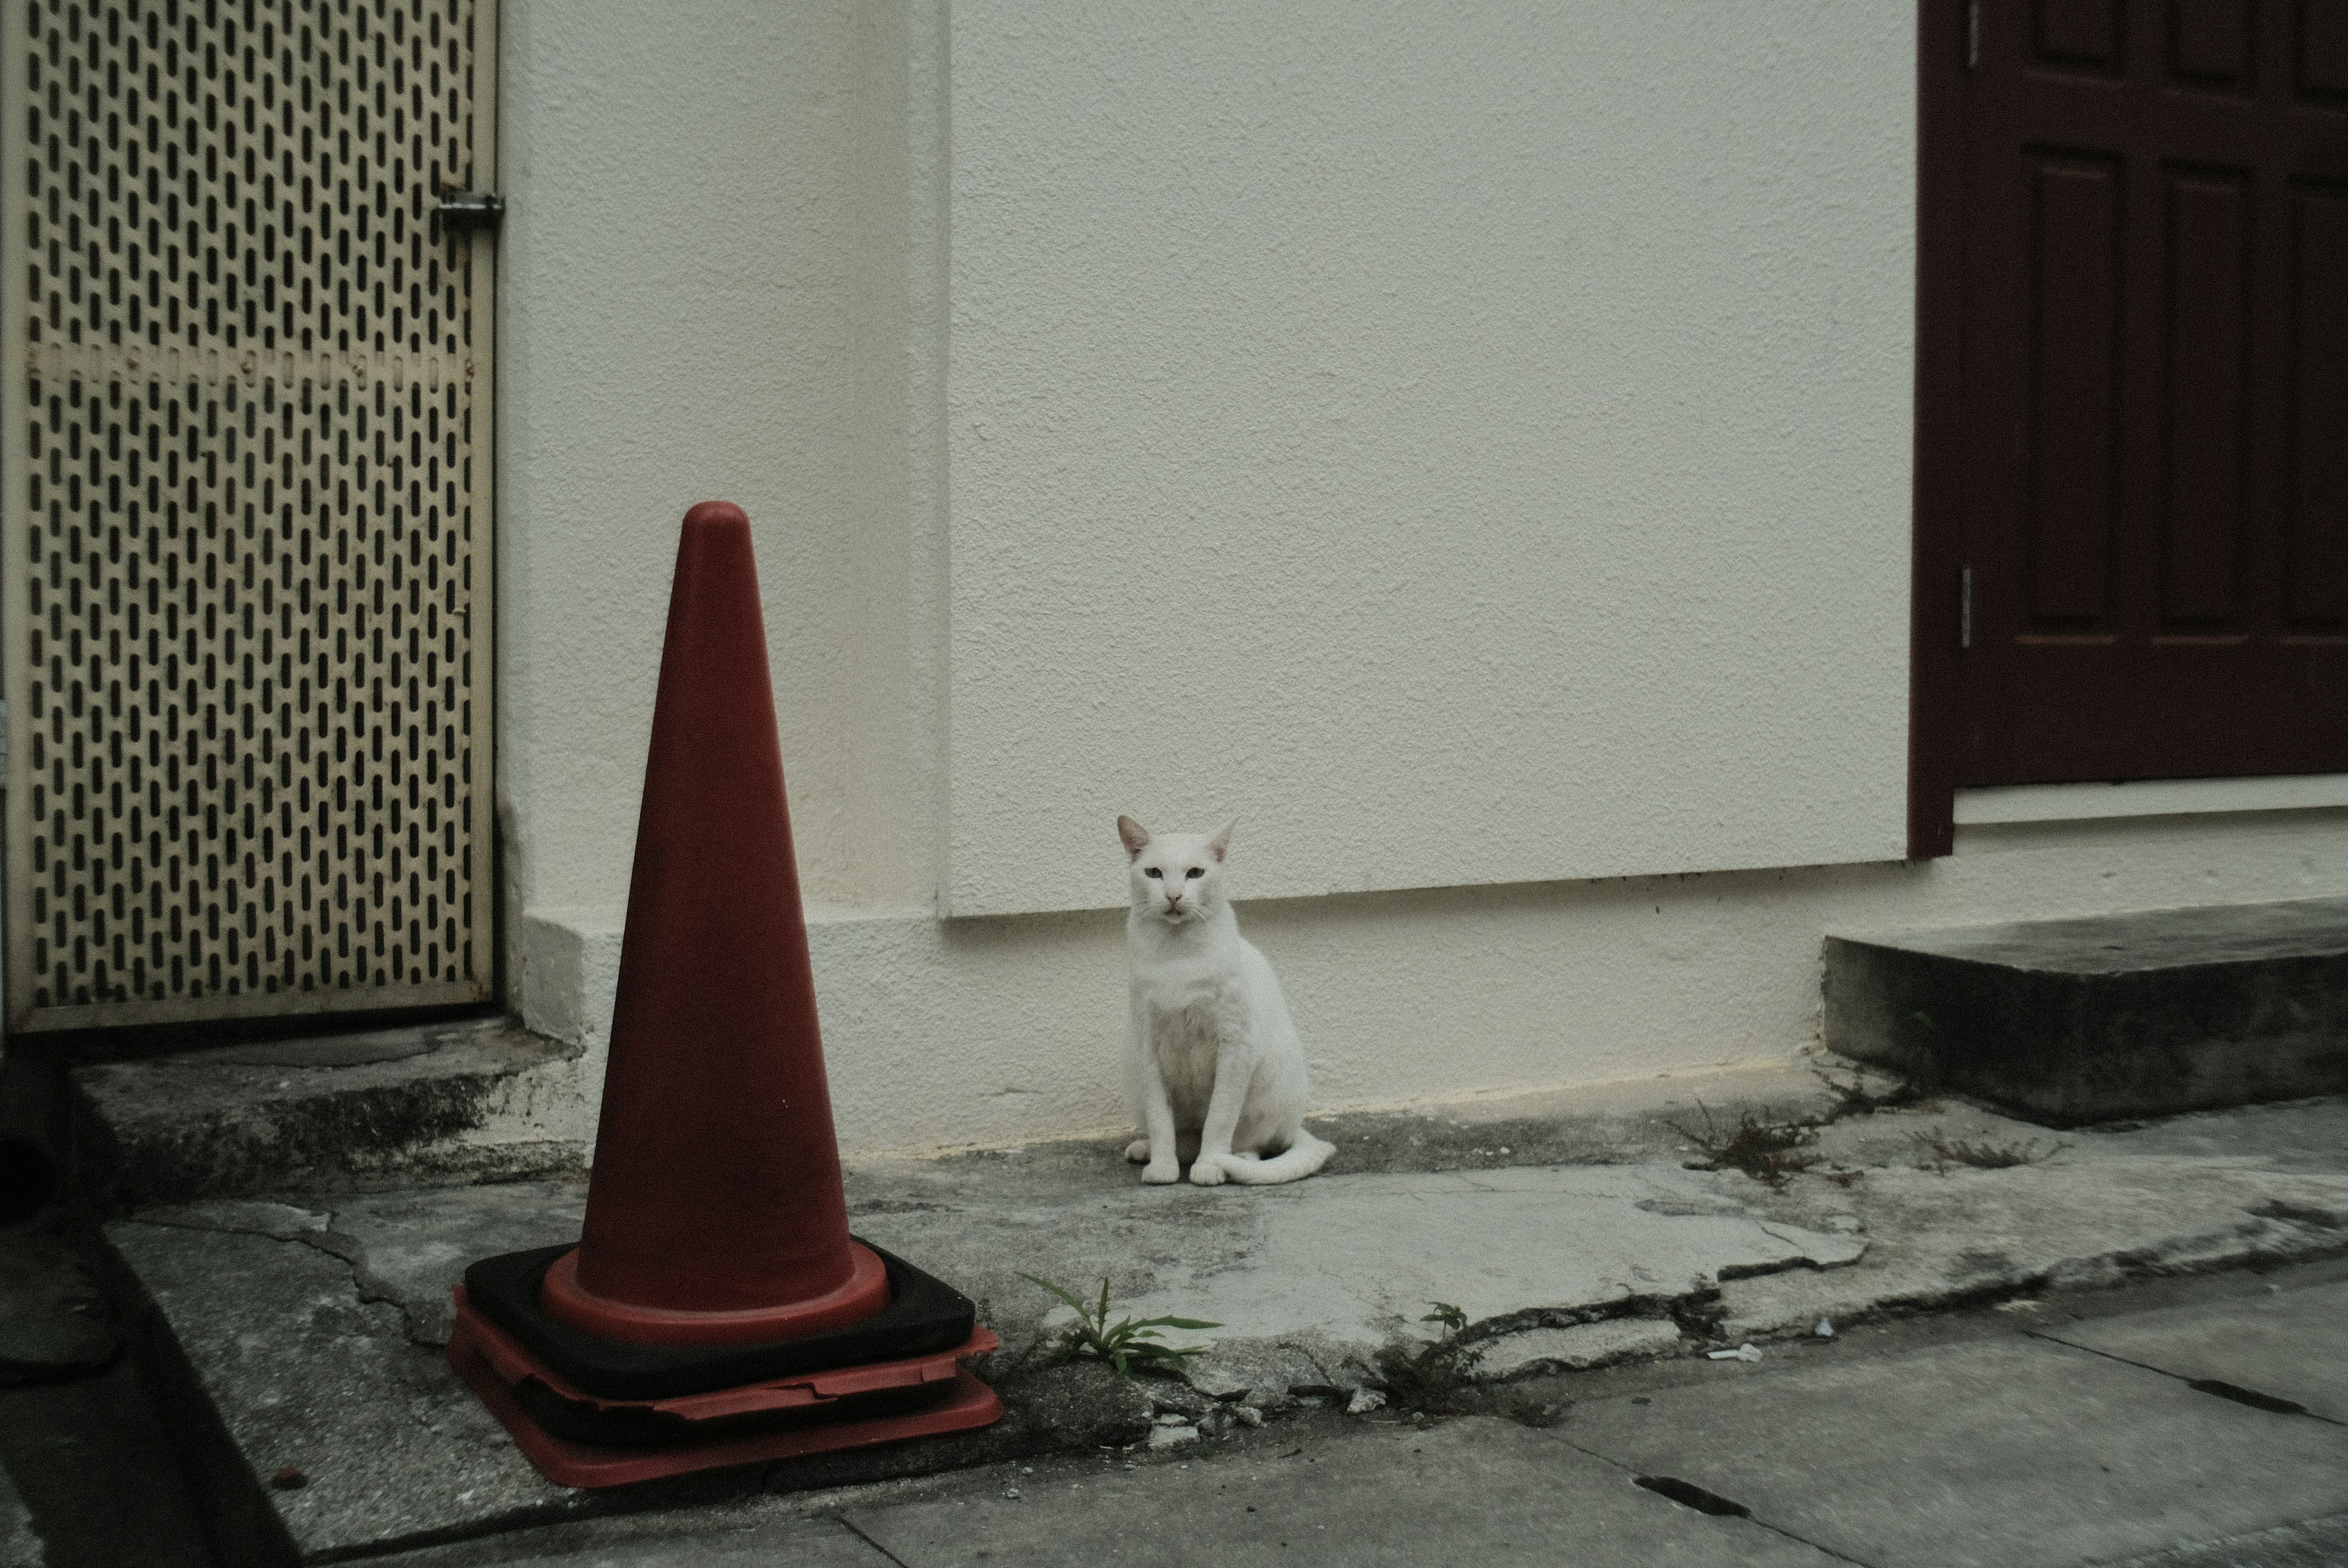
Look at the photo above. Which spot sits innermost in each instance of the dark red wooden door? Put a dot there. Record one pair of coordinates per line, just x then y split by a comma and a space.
2152, 458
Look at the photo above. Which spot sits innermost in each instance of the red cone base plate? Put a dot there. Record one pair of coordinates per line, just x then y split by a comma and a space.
493, 1364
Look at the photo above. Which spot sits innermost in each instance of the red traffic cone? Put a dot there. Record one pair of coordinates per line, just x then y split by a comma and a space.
715, 1279
715, 1051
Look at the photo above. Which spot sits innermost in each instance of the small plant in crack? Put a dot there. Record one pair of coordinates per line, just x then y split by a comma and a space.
1452, 1318
1856, 1099
1428, 1380
1940, 1153
1127, 1343
1766, 1151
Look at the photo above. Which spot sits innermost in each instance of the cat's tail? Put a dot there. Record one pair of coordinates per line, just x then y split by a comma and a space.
1295, 1163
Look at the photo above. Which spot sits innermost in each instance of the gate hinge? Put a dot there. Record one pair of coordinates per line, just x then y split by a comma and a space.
466, 210
1972, 34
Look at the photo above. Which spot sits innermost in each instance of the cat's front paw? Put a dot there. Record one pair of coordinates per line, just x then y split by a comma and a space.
1207, 1172
1137, 1151
1158, 1173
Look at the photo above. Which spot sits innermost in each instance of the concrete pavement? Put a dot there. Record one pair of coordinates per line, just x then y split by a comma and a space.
302, 1329
1983, 1439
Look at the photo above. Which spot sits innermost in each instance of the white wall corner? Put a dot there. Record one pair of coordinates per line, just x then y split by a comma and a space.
567, 968
566, 973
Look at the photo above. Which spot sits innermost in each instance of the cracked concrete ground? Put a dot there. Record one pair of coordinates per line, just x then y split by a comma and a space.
1965, 1440
310, 1323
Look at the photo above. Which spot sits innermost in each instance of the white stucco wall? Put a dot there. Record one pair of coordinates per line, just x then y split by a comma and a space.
1000, 1030
1540, 442
1470, 444
706, 295
1519, 405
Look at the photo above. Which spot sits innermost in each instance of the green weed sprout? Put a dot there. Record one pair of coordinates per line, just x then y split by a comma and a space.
1127, 1343
1452, 1318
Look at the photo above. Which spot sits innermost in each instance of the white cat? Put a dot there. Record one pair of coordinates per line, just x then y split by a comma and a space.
1213, 1061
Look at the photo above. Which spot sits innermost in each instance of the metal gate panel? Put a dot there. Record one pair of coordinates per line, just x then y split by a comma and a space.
245, 468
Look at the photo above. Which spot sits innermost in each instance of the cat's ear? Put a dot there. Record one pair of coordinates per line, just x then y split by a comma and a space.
1219, 847
1136, 837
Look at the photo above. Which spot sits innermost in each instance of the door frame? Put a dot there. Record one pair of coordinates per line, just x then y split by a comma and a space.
1949, 722
1936, 586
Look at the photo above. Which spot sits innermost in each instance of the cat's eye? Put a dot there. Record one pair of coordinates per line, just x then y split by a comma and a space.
1196, 871
1152, 871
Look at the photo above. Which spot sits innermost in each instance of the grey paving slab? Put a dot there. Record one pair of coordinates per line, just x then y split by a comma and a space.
1338, 1264
2293, 1134
2096, 1213
1979, 1455
658, 1543
1476, 1490
307, 1373
415, 1245
2292, 1344
408, 1247
313, 1322
2318, 1543
1330, 1267
1359, 1258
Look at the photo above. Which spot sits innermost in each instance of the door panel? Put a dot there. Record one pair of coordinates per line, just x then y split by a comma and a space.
2073, 369
2316, 497
2075, 33
2147, 496
2205, 435
246, 531
2321, 33
2210, 43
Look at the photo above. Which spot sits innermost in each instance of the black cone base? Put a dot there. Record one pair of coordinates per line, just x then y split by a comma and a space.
924, 1317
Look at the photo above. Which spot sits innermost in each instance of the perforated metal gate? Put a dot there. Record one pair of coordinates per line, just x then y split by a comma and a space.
246, 506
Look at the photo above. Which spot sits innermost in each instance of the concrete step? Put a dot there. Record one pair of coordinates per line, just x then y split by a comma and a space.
2112, 1016
464, 1101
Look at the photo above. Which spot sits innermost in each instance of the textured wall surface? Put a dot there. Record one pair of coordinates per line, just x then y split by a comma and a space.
1471, 454
707, 203
1467, 444
998, 1029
